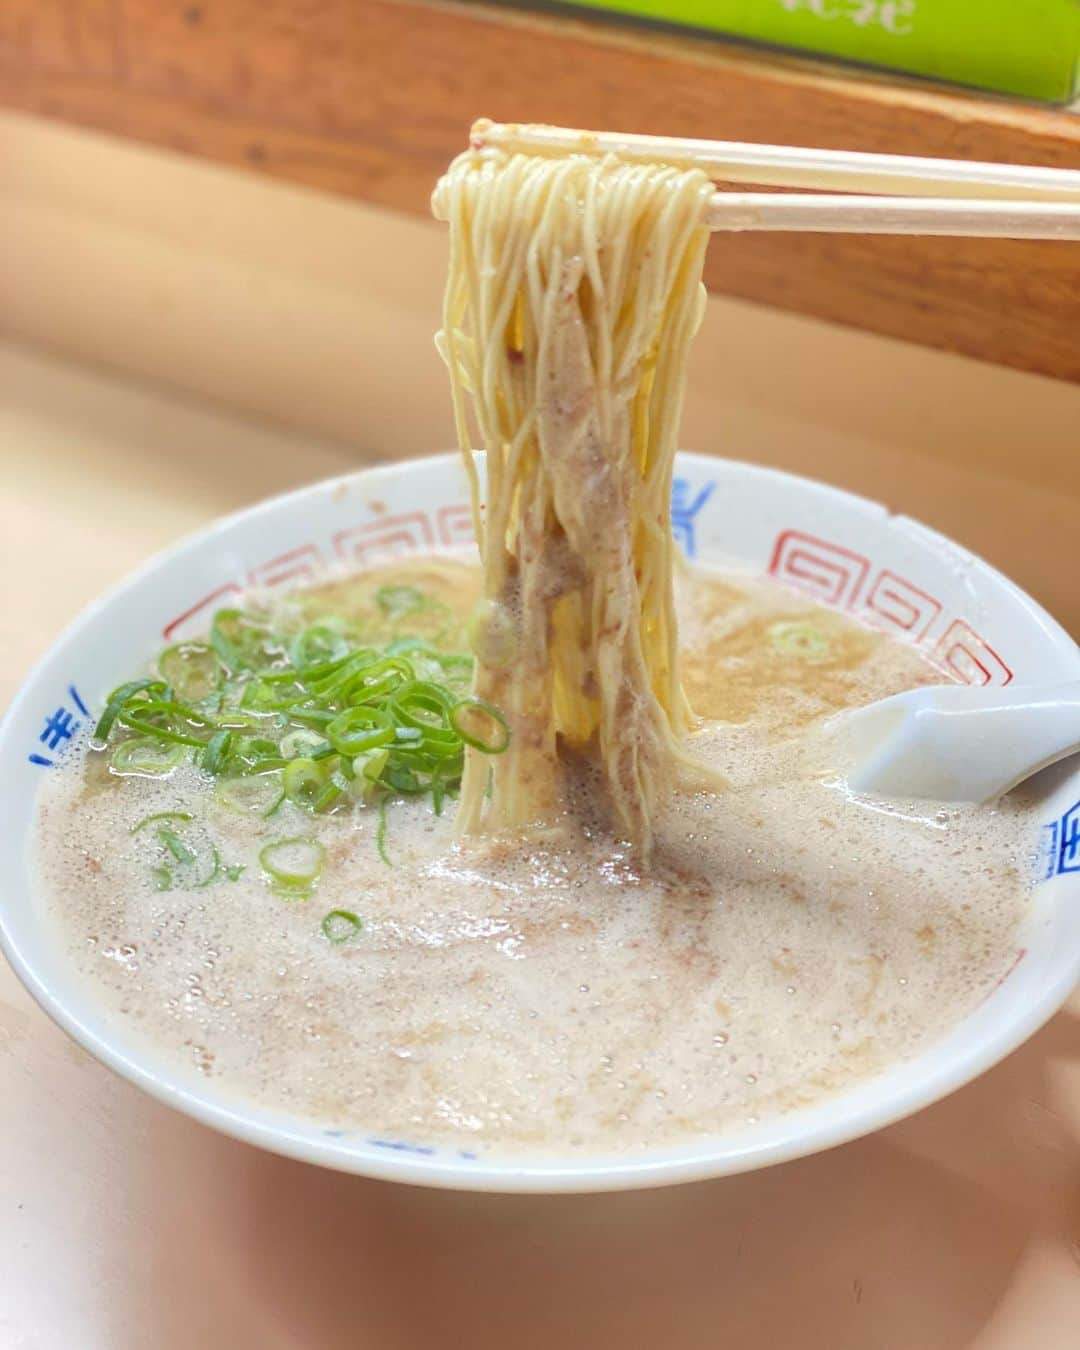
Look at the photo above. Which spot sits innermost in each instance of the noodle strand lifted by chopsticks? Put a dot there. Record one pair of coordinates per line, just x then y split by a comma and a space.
574, 291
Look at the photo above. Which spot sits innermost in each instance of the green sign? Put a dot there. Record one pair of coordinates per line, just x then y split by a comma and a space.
1027, 47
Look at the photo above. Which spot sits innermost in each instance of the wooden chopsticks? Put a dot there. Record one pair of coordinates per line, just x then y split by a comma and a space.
849, 192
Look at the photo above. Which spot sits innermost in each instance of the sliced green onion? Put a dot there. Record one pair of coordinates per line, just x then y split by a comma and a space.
371, 765
406, 780
323, 670
438, 792
300, 743
141, 721
217, 751
481, 725
260, 696
370, 681
116, 700
192, 669
308, 716
214, 872
418, 649
293, 864
367, 770
146, 756
441, 743
422, 704
241, 720
796, 638
187, 869
330, 794
160, 815
258, 747
360, 663
394, 601
304, 781
360, 729
257, 795
255, 754
340, 925
316, 645
320, 716
239, 641
380, 833
168, 708
176, 846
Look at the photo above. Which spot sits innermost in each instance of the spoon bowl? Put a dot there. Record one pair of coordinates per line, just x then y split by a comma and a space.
954, 743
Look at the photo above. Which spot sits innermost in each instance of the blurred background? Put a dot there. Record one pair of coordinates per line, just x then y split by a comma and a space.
218, 279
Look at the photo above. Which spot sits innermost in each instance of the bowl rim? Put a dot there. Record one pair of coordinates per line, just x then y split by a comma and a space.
713, 1156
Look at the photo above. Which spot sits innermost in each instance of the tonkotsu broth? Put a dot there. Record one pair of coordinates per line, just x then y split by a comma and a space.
540, 993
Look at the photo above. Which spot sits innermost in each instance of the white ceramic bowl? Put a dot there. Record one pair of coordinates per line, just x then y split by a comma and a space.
841, 549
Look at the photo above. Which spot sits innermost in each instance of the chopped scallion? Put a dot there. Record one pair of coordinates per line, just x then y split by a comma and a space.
259, 794
217, 751
304, 780
176, 846
380, 833
359, 729
395, 601
160, 815
293, 865
340, 925
117, 700
481, 725
318, 644
313, 716
145, 755
191, 669
798, 638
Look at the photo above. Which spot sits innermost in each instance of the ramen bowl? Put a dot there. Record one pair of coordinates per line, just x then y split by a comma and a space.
840, 550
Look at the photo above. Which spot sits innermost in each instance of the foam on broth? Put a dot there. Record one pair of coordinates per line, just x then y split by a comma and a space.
541, 993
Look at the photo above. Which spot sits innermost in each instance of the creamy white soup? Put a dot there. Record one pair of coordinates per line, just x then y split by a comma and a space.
337, 951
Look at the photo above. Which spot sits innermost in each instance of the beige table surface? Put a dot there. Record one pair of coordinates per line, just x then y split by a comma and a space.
126, 1227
